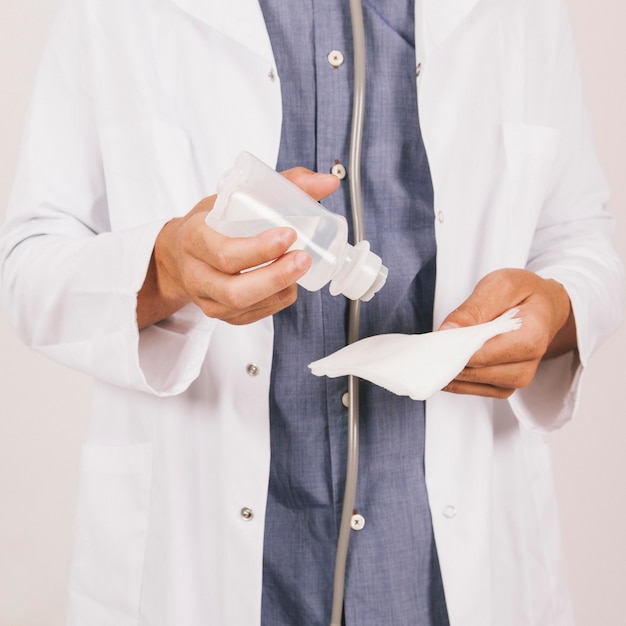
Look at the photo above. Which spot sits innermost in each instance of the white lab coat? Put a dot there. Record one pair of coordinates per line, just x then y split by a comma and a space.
139, 106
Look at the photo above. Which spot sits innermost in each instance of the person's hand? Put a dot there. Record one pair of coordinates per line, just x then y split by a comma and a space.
193, 263
509, 361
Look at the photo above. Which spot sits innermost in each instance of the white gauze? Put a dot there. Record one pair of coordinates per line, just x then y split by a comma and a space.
413, 365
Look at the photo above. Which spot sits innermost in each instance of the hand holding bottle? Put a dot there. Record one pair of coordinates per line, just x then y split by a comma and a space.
252, 198
193, 263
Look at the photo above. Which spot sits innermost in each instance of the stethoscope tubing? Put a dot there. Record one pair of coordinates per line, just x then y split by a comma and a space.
354, 314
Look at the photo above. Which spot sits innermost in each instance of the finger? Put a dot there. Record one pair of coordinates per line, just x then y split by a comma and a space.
232, 255
493, 295
261, 287
204, 206
271, 306
257, 311
473, 389
509, 376
527, 343
317, 185
514, 347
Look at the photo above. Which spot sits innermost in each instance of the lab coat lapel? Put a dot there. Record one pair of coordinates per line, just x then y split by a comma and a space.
437, 19
240, 20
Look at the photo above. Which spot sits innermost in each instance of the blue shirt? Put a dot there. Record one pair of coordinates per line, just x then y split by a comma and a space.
393, 573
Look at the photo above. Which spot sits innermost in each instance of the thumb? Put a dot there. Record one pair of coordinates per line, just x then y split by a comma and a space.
316, 184
495, 293
465, 315
483, 305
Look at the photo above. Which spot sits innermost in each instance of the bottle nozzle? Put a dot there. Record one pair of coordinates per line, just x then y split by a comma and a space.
361, 275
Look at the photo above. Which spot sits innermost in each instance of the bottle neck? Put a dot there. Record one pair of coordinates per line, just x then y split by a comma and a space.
359, 274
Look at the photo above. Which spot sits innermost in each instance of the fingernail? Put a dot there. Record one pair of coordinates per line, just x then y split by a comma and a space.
448, 326
302, 260
325, 176
287, 235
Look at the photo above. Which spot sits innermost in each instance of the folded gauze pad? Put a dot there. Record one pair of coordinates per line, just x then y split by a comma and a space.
414, 365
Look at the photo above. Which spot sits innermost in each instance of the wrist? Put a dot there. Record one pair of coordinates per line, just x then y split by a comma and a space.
565, 338
160, 295
167, 281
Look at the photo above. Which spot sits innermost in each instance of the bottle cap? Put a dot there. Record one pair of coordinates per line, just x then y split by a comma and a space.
361, 275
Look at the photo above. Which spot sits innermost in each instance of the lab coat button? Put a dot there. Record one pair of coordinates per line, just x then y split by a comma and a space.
357, 522
252, 369
345, 400
246, 514
335, 58
440, 217
338, 170
418, 69
449, 512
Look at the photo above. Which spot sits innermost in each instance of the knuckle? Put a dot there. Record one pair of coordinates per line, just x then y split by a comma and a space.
234, 297
193, 279
288, 296
473, 314
526, 378
284, 281
504, 278
502, 393
209, 308
468, 314
188, 281
478, 361
188, 237
284, 273
479, 372
537, 348
224, 261
240, 321
217, 310
296, 172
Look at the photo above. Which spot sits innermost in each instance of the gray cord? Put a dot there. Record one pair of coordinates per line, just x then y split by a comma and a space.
354, 169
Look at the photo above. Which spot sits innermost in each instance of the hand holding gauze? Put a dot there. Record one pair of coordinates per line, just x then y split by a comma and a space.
413, 365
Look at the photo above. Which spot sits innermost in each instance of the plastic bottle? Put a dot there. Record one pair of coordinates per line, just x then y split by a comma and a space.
252, 197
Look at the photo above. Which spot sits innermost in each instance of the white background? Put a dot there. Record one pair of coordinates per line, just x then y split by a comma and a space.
43, 405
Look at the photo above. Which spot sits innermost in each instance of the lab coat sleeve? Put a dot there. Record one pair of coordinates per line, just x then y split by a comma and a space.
69, 284
573, 245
